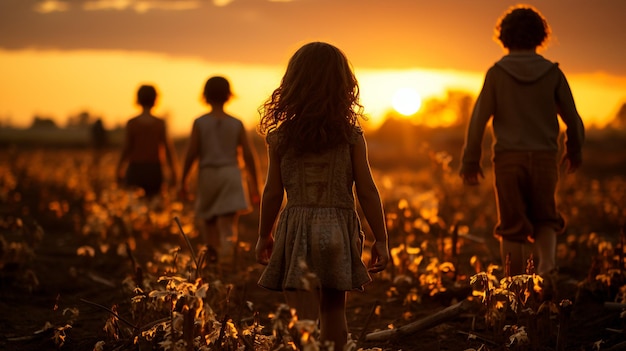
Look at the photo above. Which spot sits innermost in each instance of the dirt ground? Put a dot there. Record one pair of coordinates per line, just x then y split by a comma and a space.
53, 287
67, 281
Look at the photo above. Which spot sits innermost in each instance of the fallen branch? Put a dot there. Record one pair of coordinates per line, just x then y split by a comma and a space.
614, 306
477, 336
98, 279
422, 324
368, 320
36, 335
565, 312
111, 312
617, 347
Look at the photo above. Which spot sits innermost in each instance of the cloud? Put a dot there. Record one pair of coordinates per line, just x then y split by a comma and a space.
403, 33
98, 5
141, 6
221, 3
48, 6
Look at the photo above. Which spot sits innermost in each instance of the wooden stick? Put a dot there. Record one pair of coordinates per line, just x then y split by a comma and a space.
368, 320
478, 336
427, 322
111, 312
617, 347
614, 306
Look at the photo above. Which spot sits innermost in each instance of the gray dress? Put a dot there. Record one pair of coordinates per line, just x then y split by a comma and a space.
319, 230
221, 186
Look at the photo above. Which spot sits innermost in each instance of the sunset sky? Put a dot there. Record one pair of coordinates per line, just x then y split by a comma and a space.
61, 57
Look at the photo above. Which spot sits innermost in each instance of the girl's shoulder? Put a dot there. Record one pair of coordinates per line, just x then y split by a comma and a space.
143, 121
230, 119
273, 136
356, 133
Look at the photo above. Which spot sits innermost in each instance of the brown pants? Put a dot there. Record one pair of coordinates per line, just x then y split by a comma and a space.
147, 176
525, 184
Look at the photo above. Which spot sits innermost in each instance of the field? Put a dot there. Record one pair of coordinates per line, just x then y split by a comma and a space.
85, 265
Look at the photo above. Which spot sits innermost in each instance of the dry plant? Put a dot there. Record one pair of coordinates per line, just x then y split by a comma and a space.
177, 301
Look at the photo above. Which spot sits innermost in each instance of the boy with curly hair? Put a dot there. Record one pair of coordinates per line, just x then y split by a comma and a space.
523, 93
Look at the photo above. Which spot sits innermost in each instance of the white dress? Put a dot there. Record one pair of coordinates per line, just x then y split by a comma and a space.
221, 186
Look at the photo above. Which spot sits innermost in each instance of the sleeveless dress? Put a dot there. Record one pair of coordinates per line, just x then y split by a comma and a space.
319, 230
221, 188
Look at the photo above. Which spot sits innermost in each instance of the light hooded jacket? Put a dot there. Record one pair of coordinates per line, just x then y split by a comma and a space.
524, 93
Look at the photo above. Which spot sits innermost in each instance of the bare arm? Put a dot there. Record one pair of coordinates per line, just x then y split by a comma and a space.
271, 203
119, 171
170, 156
370, 202
193, 151
249, 159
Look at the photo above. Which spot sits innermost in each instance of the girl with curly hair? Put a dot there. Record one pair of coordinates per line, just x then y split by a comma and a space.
317, 155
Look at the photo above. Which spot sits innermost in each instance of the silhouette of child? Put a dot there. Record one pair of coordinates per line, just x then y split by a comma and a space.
217, 141
317, 154
146, 143
524, 93
98, 140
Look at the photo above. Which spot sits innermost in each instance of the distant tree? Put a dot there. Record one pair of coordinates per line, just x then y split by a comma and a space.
453, 111
5, 122
43, 123
98, 134
432, 109
84, 119
619, 122
461, 103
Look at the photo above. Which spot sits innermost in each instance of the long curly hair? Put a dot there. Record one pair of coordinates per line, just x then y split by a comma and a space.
316, 106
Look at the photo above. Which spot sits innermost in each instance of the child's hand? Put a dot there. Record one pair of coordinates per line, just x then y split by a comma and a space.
264, 247
572, 163
472, 178
183, 193
119, 177
172, 182
380, 257
471, 172
255, 198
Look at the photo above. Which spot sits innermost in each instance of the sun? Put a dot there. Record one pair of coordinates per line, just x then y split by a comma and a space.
406, 101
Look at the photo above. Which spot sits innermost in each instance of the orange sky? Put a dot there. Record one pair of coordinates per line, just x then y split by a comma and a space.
63, 57
59, 84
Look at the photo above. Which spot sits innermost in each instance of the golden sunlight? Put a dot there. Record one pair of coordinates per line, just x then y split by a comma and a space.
57, 85
380, 87
65, 84
406, 101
